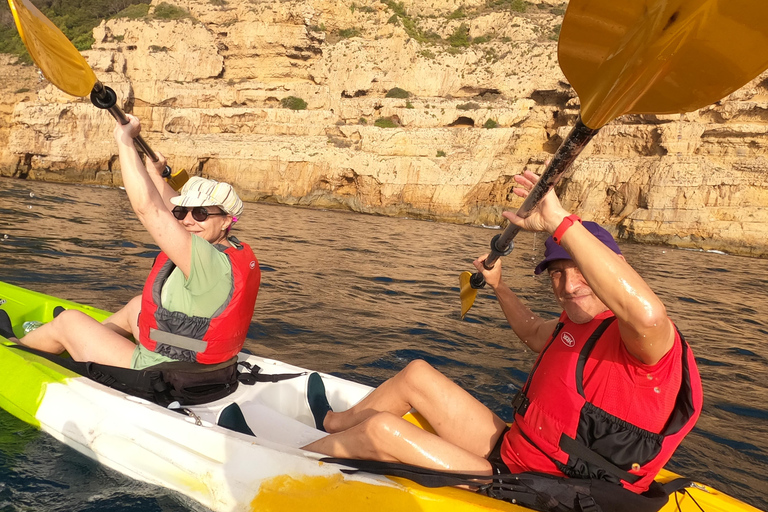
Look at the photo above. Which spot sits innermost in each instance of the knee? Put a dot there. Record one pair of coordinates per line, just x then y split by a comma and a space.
69, 319
133, 308
418, 371
381, 428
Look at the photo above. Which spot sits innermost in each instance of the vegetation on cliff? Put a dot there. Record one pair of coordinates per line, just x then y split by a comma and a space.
460, 37
75, 18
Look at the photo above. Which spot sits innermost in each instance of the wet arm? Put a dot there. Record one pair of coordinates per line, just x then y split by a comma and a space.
532, 330
645, 328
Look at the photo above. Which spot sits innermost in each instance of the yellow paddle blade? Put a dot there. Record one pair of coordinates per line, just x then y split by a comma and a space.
53, 53
660, 56
467, 293
178, 179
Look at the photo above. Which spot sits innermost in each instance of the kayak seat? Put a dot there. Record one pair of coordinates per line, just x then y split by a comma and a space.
232, 418
6, 328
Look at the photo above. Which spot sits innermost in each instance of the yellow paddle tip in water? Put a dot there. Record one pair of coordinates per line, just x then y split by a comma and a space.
467, 293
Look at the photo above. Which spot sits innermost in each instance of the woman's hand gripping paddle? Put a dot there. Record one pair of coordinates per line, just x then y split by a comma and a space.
65, 68
642, 57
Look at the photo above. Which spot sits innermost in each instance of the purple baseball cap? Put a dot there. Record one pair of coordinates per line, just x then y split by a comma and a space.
553, 252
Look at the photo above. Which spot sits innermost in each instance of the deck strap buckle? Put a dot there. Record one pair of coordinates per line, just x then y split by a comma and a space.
252, 374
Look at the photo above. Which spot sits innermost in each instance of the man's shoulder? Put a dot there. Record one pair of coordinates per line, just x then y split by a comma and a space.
670, 359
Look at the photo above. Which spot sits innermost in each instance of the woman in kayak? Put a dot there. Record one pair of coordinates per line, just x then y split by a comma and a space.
198, 301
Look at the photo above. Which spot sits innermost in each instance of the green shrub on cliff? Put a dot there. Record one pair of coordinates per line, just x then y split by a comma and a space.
362, 8
397, 92
163, 11
512, 5
293, 103
460, 36
555, 35
409, 24
10, 42
166, 11
347, 33
427, 54
385, 122
133, 12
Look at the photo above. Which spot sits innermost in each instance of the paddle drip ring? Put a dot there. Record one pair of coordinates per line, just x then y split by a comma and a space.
506, 250
104, 98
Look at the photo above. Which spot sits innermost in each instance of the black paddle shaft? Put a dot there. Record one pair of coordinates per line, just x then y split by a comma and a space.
105, 98
502, 244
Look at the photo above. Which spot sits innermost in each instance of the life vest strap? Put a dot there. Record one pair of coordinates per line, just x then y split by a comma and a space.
254, 375
574, 448
537, 491
520, 403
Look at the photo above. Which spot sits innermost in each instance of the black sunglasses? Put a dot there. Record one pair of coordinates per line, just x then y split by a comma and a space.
199, 213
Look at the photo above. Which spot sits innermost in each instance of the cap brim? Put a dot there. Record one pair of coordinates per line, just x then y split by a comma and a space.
541, 267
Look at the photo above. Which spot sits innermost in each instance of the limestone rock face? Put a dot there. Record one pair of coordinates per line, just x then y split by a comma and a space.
18, 84
481, 99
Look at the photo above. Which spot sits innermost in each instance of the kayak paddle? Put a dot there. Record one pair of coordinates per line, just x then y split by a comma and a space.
65, 68
642, 57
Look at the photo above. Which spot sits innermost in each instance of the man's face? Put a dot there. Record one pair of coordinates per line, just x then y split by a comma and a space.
573, 293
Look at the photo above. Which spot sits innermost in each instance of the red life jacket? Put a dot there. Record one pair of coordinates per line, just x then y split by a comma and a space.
196, 339
585, 441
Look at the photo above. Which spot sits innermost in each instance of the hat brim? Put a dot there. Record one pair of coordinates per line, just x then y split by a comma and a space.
541, 267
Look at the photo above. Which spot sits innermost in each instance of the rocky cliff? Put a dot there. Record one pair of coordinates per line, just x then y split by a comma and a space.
478, 98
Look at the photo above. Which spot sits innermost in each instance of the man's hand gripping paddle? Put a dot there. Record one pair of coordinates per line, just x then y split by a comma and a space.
65, 68
642, 57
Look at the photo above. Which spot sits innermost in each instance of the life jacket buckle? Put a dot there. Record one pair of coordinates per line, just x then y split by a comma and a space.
520, 403
587, 504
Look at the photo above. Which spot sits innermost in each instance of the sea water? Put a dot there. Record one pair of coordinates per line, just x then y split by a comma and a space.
360, 296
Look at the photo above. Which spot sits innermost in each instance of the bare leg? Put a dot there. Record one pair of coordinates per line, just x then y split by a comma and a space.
457, 417
126, 321
389, 438
83, 337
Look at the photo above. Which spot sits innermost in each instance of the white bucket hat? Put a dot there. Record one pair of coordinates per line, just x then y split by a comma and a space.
204, 192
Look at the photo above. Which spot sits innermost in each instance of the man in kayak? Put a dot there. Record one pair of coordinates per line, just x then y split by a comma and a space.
199, 298
613, 392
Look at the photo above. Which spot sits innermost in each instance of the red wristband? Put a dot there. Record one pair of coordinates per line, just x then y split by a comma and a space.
563, 227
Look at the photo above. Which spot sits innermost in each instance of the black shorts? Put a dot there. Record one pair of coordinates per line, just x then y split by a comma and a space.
499, 468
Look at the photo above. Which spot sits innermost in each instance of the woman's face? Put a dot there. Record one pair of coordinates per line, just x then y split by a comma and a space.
213, 227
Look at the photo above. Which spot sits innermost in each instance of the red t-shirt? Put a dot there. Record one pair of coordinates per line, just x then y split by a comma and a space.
615, 381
